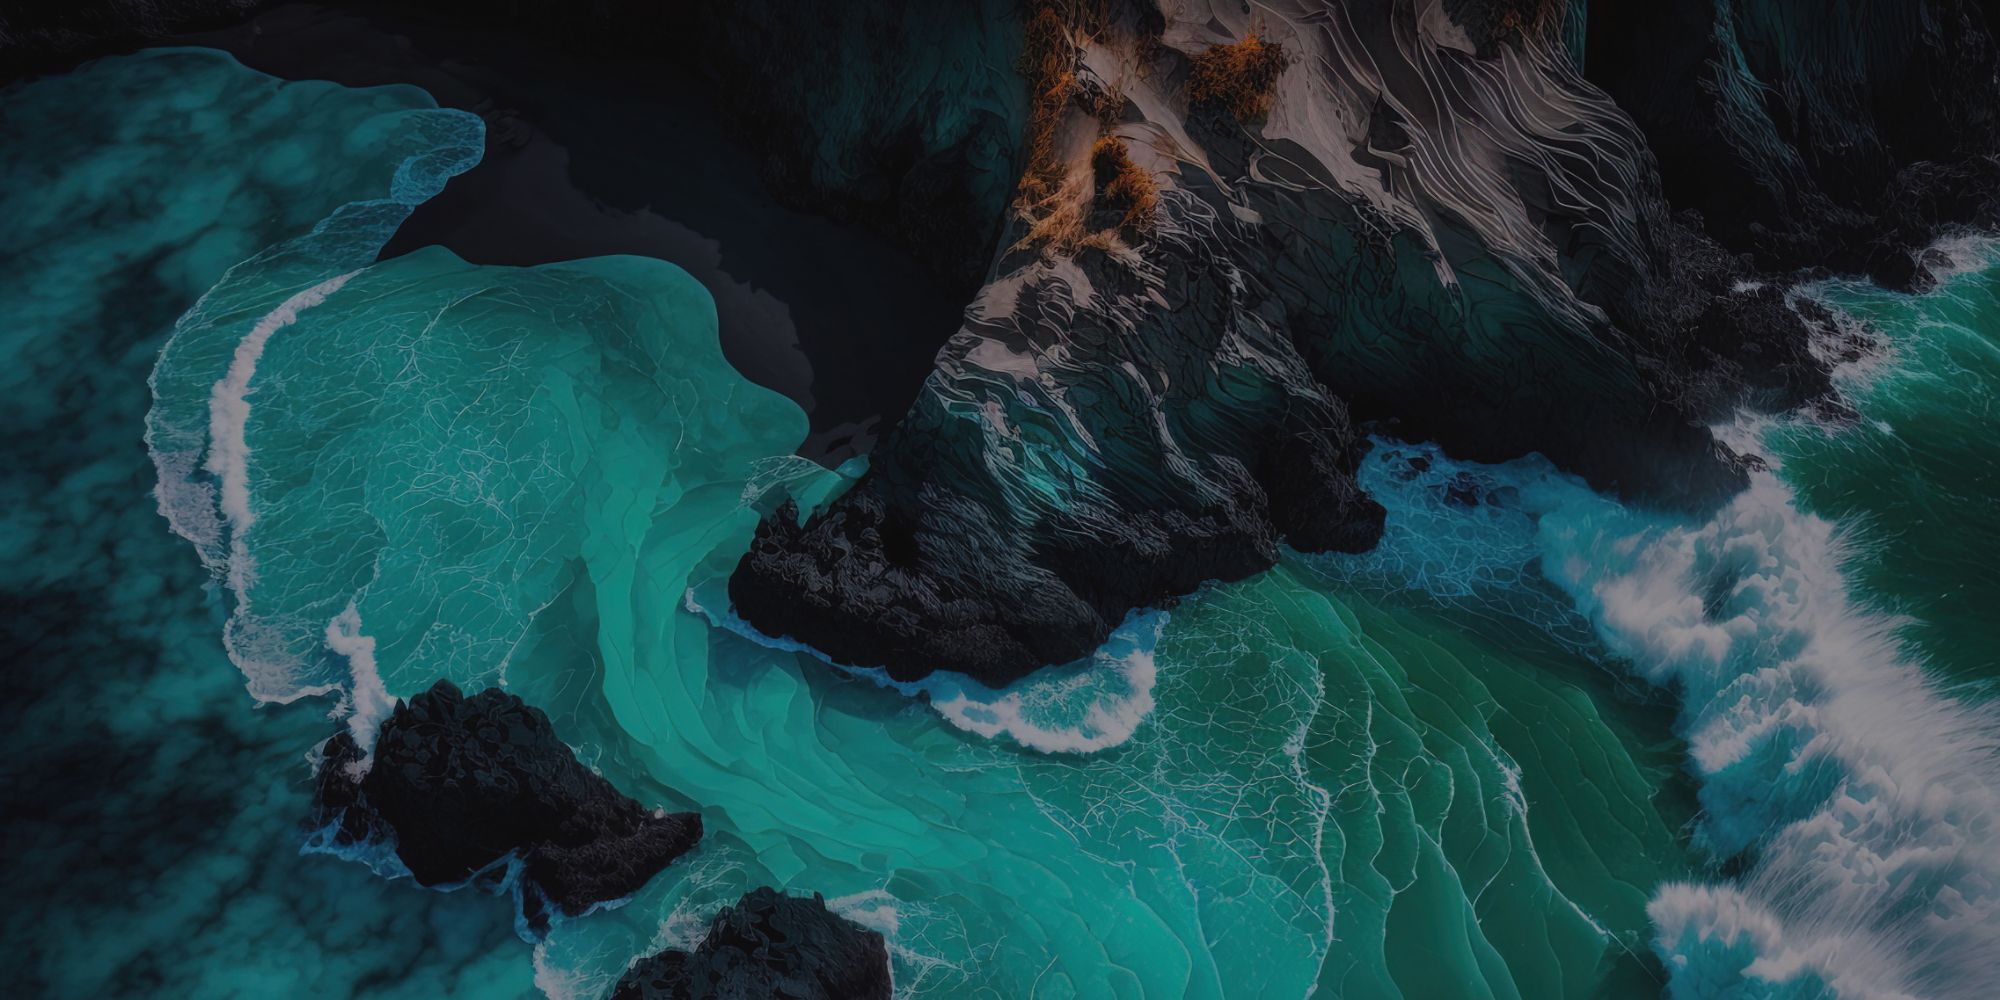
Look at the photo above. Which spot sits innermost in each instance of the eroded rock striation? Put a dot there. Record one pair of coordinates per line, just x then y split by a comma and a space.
462, 784
768, 945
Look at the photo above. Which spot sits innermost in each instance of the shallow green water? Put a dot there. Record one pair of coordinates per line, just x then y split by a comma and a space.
540, 476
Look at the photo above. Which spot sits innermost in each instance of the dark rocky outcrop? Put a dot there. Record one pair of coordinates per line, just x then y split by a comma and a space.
1845, 138
462, 784
1457, 239
1018, 514
768, 945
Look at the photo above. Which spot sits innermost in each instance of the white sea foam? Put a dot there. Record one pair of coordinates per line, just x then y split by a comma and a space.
259, 647
1869, 798
558, 983
917, 937
229, 403
1079, 708
1964, 253
1866, 797
1093, 704
874, 909
368, 701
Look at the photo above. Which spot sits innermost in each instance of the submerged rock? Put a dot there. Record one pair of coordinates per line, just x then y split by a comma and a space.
768, 945
463, 784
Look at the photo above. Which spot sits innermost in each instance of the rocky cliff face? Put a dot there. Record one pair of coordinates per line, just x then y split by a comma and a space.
1239, 243
768, 945
1419, 216
461, 784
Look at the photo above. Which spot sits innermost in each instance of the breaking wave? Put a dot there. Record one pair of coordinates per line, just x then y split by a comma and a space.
1865, 795
1859, 796
202, 390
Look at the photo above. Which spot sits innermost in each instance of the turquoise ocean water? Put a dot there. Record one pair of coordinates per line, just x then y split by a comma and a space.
1538, 744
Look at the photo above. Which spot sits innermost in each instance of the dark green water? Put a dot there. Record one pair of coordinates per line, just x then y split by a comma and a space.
1916, 478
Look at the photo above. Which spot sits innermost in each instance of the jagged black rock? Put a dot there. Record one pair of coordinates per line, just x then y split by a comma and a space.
944, 558
1811, 140
768, 945
461, 784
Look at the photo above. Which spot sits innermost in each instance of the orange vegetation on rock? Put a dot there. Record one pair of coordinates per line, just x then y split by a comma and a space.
1122, 185
1242, 76
1055, 195
1049, 62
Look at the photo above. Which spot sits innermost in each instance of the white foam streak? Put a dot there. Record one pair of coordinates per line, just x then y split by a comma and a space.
1040, 713
259, 647
368, 700
229, 403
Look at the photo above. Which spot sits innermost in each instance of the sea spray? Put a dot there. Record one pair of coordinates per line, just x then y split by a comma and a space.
1909, 482
1882, 530
368, 699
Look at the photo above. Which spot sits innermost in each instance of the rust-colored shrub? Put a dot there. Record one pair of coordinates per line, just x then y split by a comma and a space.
1049, 62
1123, 186
1054, 196
1242, 76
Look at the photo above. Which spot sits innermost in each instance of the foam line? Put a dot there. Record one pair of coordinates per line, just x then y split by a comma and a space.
1094, 704
368, 699
229, 403
1865, 797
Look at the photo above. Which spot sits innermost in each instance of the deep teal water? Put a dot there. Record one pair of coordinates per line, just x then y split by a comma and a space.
151, 839
1501, 756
